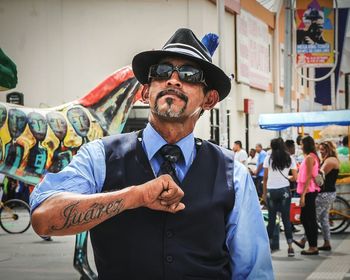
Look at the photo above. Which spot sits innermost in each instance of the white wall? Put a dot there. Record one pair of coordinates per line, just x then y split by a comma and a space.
64, 48
263, 103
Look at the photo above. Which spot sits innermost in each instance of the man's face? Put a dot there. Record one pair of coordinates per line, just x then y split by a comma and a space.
292, 150
258, 148
252, 153
316, 29
235, 147
173, 99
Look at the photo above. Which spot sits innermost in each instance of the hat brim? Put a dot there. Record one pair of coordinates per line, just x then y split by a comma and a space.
214, 76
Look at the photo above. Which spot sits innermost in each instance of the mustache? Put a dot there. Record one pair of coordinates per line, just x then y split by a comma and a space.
172, 91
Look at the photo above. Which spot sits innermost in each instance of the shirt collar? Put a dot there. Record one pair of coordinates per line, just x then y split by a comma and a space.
153, 142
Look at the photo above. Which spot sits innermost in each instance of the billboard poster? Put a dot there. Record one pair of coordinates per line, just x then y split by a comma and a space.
315, 33
253, 51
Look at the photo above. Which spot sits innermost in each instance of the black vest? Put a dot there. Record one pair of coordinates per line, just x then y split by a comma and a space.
147, 244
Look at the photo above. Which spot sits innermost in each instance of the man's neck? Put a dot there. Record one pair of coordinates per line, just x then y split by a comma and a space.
172, 132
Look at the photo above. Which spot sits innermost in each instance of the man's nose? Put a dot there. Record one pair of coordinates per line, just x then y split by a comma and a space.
174, 80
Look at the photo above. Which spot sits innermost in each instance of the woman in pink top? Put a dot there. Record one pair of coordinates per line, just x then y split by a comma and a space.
308, 190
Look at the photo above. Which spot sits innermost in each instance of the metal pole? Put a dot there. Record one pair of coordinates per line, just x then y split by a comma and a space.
220, 4
334, 98
247, 132
347, 91
287, 57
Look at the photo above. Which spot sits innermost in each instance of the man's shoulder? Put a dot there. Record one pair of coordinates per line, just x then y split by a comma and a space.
225, 151
267, 156
242, 152
119, 143
343, 150
122, 137
262, 154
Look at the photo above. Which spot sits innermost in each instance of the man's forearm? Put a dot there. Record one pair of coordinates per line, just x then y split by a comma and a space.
69, 213
257, 171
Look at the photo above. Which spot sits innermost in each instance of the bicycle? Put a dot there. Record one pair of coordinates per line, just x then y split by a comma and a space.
339, 215
339, 218
14, 216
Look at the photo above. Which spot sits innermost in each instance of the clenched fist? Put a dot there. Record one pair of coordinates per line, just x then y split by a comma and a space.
161, 194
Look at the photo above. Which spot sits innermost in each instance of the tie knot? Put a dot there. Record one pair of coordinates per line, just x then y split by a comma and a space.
171, 153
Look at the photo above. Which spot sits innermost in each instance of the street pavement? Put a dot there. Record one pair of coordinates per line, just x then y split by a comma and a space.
26, 256
334, 265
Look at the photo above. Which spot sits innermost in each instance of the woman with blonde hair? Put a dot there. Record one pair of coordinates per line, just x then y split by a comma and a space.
330, 168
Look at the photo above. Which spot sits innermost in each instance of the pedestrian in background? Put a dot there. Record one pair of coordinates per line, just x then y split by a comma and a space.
290, 144
10, 189
299, 154
344, 149
330, 167
251, 161
239, 153
276, 191
307, 189
259, 172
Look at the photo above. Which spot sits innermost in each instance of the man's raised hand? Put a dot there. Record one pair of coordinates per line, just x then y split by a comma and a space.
161, 194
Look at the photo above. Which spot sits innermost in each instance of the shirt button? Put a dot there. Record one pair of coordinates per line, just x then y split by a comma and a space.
169, 259
169, 234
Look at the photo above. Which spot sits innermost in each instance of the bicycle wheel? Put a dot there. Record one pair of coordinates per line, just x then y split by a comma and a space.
337, 215
15, 216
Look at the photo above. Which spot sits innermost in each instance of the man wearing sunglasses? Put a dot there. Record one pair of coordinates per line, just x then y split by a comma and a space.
214, 229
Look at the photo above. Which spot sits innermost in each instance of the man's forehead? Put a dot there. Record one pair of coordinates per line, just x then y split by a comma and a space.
176, 61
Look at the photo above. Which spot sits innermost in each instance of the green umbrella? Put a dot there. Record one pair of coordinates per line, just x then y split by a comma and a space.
8, 72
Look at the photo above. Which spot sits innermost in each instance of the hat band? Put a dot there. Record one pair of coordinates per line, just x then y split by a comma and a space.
185, 49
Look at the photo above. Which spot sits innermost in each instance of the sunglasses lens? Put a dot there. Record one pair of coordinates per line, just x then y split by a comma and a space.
186, 73
161, 71
190, 74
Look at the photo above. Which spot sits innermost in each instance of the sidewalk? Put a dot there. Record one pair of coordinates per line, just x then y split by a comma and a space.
334, 265
27, 256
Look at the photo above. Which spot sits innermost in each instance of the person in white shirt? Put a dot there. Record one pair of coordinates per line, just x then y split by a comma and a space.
276, 191
239, 153
251, 161
299, 154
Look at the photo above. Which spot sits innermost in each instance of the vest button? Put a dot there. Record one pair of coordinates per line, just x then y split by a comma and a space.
169, 234
169, 259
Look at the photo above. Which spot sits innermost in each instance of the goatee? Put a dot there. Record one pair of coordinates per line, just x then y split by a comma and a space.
169, 112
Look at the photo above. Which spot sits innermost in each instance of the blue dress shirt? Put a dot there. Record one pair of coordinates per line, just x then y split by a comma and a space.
261, 158
246, 239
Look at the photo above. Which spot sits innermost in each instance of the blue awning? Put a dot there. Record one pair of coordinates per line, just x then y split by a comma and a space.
282, 121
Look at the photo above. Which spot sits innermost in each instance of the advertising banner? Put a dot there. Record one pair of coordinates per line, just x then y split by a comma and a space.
252, 51
315, 33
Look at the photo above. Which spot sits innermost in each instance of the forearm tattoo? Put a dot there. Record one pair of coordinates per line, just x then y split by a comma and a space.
74, 217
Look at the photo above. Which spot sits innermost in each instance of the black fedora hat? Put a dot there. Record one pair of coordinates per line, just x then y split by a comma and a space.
314, 15
186, 45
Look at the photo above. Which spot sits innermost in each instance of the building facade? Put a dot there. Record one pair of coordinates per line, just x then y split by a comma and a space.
64, 48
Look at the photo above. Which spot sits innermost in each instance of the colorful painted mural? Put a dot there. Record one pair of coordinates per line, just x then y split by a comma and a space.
35, 141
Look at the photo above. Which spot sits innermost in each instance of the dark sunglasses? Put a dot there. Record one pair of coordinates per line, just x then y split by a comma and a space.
187, 73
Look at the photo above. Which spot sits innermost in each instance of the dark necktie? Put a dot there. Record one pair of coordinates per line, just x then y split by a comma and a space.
171, 154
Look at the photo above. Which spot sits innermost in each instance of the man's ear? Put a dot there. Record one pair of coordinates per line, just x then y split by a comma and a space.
145, 94
211, 99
